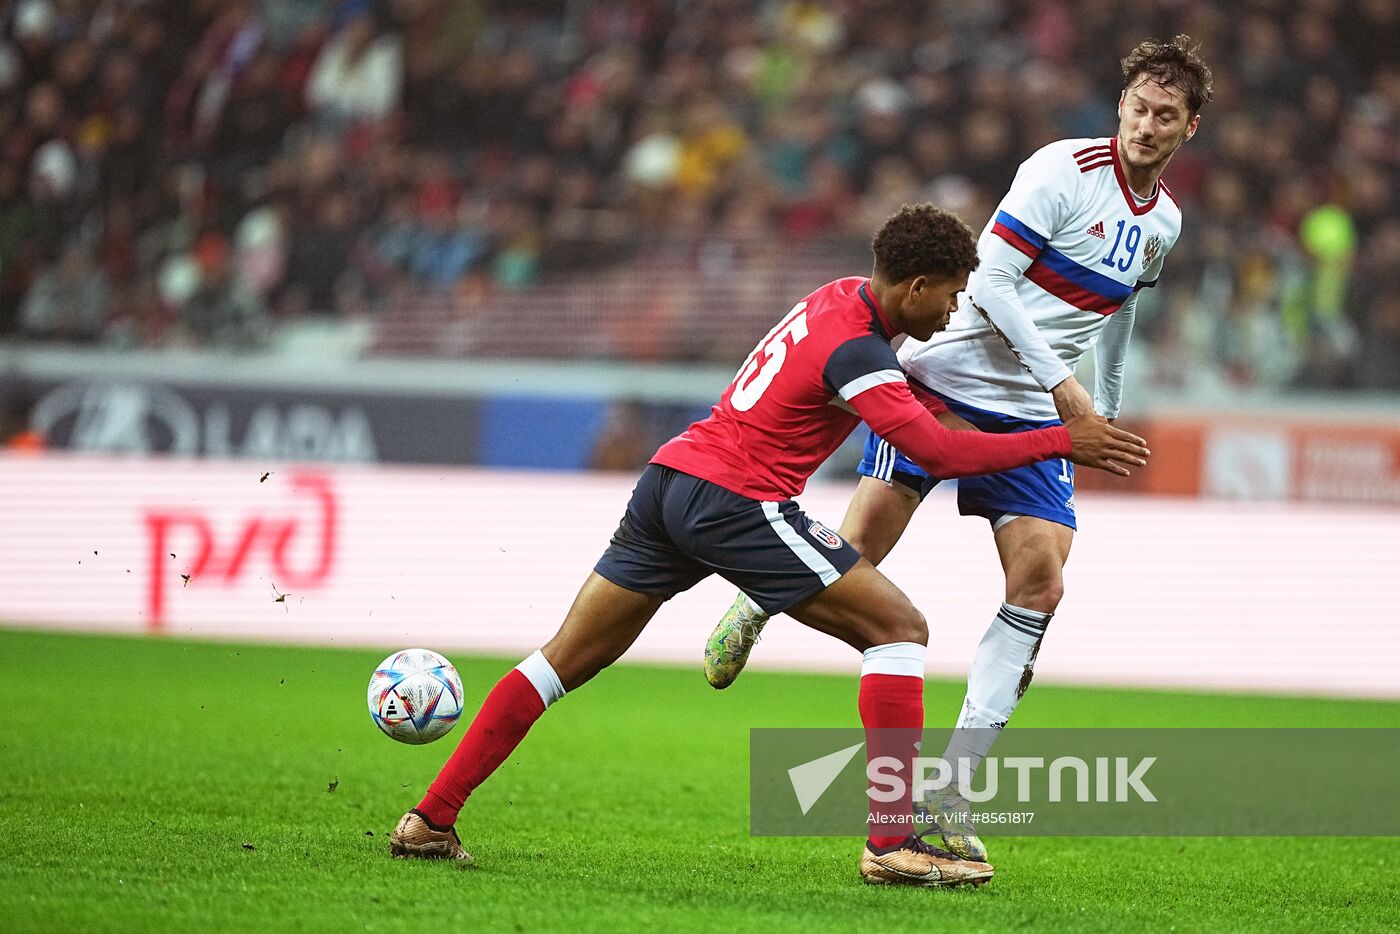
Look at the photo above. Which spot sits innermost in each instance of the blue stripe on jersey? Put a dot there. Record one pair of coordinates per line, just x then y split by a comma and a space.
857, 357
1096, 282
1021, 230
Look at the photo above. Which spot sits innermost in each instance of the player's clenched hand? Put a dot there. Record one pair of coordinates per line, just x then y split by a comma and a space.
1096, 443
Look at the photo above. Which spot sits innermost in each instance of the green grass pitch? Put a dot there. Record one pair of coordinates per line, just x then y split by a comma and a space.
166, 785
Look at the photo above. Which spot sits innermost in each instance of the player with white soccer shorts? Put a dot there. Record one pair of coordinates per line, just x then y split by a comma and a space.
1085, 227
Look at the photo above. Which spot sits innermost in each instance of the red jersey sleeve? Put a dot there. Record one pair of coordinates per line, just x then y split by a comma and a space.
893, 413
928, 400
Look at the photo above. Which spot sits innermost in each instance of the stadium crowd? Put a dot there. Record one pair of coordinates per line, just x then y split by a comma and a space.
652, 179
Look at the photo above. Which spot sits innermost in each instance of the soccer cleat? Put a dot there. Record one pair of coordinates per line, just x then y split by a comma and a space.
729, 645
915, 862
949, 813
414, 838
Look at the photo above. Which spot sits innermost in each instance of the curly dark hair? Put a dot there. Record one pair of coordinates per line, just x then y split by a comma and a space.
1175, 64
922, 240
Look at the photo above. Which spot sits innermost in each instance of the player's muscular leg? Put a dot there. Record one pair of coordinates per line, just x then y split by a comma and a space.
1033, 555
602, 624
877, 516
863, 609
879, 512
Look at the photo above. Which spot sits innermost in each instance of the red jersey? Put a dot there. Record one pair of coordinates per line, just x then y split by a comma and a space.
825, 367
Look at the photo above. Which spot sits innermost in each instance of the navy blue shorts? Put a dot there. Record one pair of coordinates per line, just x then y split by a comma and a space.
1044, 490
679, 529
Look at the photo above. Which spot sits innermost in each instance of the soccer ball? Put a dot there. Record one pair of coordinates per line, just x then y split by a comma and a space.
415, 696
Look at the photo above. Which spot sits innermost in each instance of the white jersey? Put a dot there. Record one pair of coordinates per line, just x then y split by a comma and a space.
1071, 244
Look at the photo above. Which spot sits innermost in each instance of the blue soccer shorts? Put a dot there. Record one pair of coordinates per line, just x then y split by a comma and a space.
1044, 490
679, 529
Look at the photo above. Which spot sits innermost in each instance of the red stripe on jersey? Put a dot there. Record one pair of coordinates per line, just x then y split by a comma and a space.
1015, 239
1094, 165
1168, 192
1067, 291
1128, 196
1090, 149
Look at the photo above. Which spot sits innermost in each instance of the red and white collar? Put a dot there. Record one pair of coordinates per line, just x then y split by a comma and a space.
1138, 208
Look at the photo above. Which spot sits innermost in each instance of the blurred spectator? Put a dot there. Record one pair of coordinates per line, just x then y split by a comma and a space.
222, 312
1378, 301
358, 76
18, 221
444, 248
655, 179
68, 301
1318, 318
253, 122
260, 248
320, 249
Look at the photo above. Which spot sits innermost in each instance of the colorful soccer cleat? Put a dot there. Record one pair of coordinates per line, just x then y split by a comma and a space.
414, 838
949, 813
727, 650
915, 862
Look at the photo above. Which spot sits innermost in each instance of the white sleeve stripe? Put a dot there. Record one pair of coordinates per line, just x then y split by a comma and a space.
800, 547
869, 381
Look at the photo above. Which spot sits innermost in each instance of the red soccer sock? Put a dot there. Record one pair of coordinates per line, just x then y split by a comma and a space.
505, 717
892, 711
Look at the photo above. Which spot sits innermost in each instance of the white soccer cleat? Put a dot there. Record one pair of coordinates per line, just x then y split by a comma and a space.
727, 650
949, 813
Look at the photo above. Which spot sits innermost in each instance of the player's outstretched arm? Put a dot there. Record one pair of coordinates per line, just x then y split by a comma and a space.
894, 414
892, 411
1096, 443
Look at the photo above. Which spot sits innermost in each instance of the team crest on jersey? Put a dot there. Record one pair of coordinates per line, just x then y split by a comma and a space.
824, 535
1150, 250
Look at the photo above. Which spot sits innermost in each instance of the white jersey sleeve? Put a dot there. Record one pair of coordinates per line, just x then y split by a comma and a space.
1109, 356
994, 297
1111, 352
1038, 204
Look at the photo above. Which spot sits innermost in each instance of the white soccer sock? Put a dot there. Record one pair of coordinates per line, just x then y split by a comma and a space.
894, 658
541, 674
1000, 673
